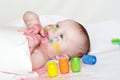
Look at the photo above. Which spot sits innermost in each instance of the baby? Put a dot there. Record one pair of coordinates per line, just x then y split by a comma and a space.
66, 38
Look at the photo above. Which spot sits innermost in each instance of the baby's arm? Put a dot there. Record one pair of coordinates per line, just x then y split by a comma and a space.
38, 59
34, 34
34, 29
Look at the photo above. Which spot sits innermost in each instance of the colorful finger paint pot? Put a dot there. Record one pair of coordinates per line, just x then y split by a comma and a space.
116, 41
75, 64
64, 65
89, 59
52, 69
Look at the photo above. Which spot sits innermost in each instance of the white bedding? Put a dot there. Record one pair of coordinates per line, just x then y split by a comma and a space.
108, 55
14, 51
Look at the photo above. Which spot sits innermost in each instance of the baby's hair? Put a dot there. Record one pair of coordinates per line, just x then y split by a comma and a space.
84, 31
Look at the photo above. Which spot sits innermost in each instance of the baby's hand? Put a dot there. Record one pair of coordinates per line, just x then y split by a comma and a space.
33, 41
34, 29
34, 35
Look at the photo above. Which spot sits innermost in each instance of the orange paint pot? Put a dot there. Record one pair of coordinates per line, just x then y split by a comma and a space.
64, 65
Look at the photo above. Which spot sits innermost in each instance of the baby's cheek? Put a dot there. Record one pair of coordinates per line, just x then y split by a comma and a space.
51, 51
47, 46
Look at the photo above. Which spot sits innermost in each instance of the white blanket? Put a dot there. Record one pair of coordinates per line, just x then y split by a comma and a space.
14, 51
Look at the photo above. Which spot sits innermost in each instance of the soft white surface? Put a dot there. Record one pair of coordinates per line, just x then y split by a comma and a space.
108, 55
14, 51
102, 33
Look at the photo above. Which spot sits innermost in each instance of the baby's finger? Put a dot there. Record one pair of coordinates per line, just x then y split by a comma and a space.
28, 31
37, 28
42, 34
30, 41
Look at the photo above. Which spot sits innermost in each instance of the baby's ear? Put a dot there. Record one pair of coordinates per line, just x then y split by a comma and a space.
61, 56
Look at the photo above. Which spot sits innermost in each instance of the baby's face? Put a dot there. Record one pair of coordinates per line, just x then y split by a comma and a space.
63, 38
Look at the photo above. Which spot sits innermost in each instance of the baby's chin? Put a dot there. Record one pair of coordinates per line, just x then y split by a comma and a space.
50, 51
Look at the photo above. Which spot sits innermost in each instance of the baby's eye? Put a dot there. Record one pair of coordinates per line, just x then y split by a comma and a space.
57, 26
61, 36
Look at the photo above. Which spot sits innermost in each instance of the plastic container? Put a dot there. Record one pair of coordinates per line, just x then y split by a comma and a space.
52, 69
64, 65
89, 59
75, 64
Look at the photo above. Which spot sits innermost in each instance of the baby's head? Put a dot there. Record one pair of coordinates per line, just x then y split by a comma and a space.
71, 39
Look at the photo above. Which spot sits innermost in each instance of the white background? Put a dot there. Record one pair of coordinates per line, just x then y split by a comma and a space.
84, 11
